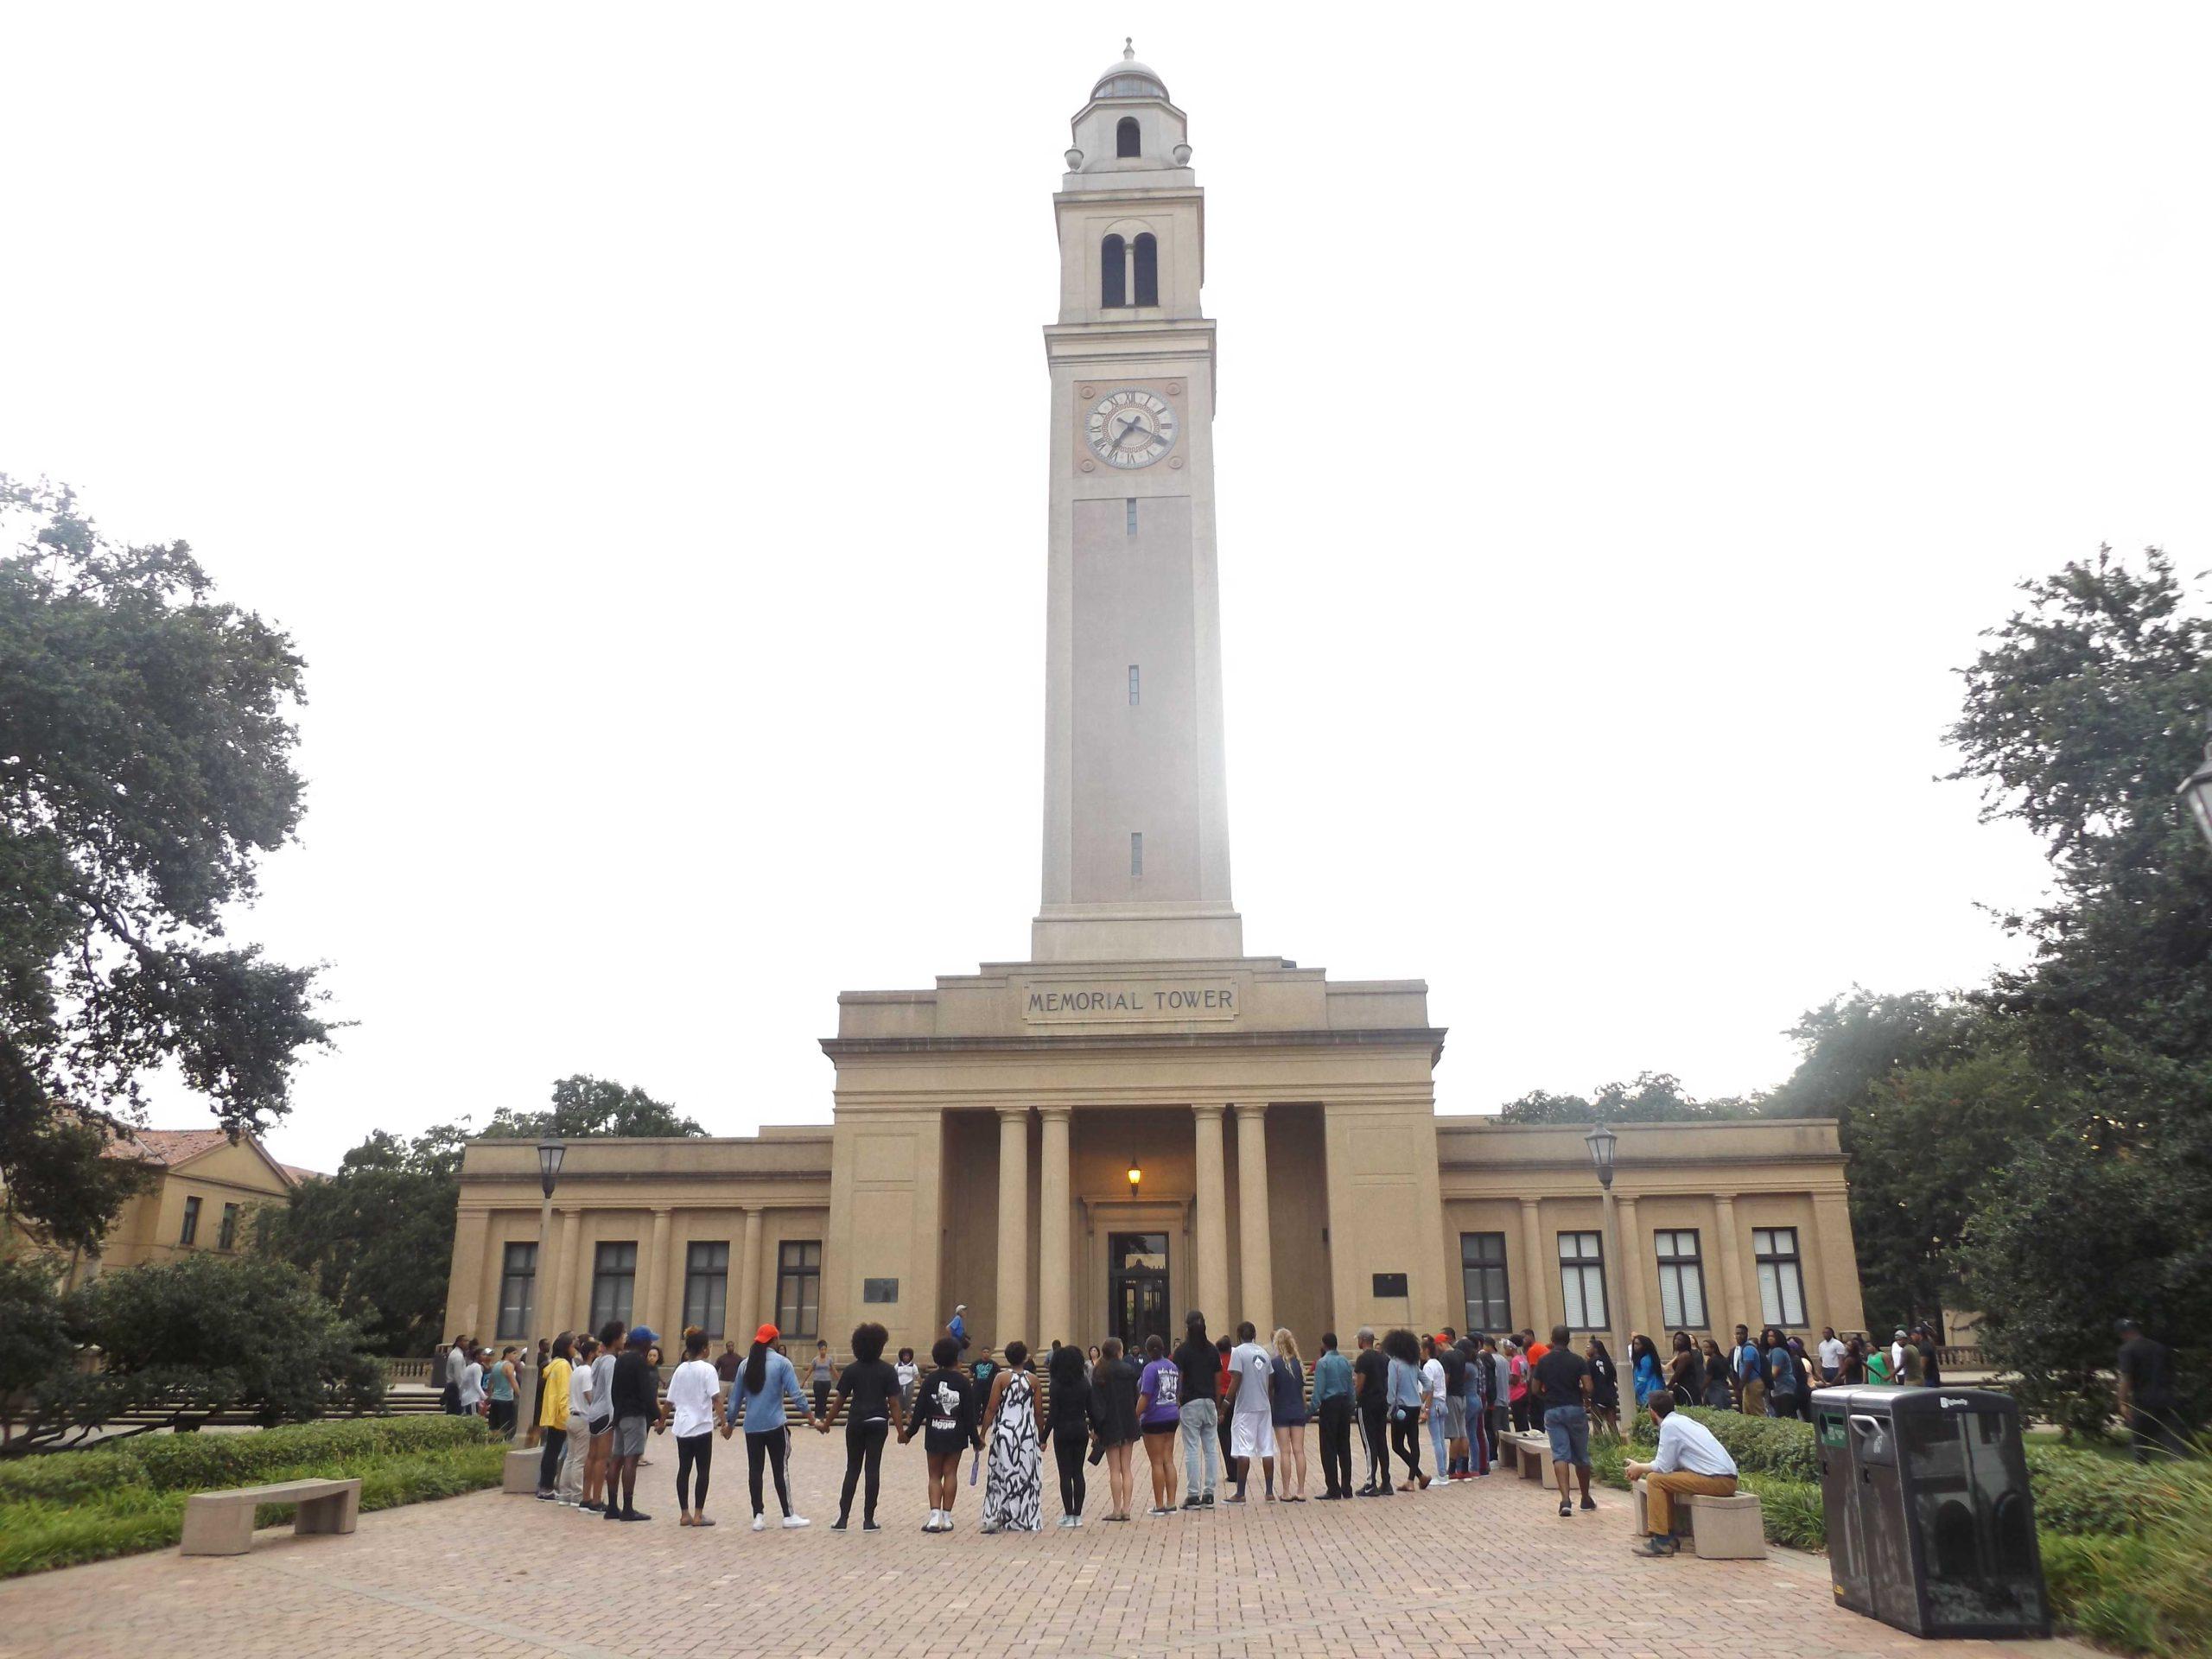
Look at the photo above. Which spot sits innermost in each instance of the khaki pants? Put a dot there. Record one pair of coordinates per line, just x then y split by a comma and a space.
572, 1466
1660, 1489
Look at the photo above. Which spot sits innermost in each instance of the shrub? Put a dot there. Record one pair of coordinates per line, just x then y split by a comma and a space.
185, 1462
1770, 1445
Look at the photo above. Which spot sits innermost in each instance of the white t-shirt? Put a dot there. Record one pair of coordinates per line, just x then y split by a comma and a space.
472, 1386
907, 1372
1250, 1363
1432, 1378
692, 1398
580, 1383
1832, 1355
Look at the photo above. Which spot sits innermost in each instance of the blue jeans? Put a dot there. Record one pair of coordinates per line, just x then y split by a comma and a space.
1201, 1431
1438, 1432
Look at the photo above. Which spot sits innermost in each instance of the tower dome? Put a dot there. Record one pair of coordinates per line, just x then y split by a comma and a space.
1128, 77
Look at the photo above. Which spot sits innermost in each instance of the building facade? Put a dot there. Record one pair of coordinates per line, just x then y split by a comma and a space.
1140, 1118
201, 1189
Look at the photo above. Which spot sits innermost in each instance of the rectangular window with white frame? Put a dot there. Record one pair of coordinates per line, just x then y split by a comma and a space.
1681, 1278
798, 1287
1782, 1276
613, 1282
1582, 1280
517, 1279
706, 1287
1482, 1272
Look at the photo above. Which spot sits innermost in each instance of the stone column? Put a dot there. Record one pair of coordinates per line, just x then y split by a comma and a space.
1055, 1243
1629, 1275
1731, 1268
1258, 1258
746, 1314
1211, 1205
1013, 1226
1839, 1265
565, 1303
654, 1278
470, 1236
1537, 1311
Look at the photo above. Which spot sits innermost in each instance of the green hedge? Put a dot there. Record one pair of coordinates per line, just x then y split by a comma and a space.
212, 1461
63, 1508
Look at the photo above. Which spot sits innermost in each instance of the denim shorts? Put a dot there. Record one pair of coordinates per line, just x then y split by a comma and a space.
1569, 1428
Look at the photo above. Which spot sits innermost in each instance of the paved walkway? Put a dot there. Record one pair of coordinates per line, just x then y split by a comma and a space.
1486, 1562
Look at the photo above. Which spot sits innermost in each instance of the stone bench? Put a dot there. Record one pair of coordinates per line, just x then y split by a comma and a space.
1530, 1452
1719, 1528
221, 1523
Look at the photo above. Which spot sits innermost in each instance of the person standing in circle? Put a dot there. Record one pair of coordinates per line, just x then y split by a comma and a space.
502, 1382
945, 1411
1014, 1417
1564, 1376
692, 1394
1606, 1385
1199, 1365
764, 1386
1071, 1420
1332, 1406
868, 1393
1251, 1410
1159, 1414
1372, 1370
1286, 1401
822, 1377
1113, 1417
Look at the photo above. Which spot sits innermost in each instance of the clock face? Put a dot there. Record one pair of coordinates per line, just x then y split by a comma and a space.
1130, 427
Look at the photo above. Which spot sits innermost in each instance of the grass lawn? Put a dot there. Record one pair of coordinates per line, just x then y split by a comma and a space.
116, 1499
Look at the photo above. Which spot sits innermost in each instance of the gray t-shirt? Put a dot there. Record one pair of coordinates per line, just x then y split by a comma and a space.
602, 1383
1250, 1363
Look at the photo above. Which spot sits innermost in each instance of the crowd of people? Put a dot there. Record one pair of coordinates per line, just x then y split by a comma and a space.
1212, 1416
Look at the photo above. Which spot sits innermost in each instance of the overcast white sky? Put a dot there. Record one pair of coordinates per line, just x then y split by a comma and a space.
551, 373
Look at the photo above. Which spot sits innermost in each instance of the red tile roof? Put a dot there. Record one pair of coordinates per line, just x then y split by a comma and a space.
166, 1147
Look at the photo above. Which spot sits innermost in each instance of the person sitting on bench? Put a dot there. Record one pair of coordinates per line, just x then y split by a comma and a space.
1689, 1459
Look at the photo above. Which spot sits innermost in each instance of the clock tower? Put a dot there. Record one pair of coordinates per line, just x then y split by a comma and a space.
1137, 813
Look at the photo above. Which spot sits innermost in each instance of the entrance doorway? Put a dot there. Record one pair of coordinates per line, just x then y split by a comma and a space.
1136, 1288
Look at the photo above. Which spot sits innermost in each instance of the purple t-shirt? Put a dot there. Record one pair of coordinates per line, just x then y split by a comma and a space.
1162, 1382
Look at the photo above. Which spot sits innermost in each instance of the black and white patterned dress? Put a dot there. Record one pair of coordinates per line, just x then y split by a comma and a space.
1012, 1498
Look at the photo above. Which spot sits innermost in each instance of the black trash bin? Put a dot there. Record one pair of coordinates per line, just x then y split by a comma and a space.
1930, 1524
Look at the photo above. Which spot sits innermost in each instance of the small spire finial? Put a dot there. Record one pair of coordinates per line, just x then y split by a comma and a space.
1128, 48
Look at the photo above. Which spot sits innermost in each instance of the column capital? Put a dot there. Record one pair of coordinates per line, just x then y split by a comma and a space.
1056, 1114
1006, 1113
1726, 1198
1213, 1109
1529, 1206
1251, 1109
660, 1210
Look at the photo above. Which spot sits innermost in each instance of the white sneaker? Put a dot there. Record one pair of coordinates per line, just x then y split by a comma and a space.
792, 1523
759, 1524
1075, 1521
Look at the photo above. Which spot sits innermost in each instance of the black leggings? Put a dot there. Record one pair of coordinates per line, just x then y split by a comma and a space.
773, 1446
1378, 1448
1070, 1442
549, 1463
863, 1449
1405, 1439
693, 1452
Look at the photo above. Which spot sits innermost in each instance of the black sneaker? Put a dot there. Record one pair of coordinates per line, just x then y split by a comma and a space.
549, 1497
594, 1508
635, 1515
838, 1525
1588, 1502
1192, 1503
610, 1513
870, 1526
1566, 1508
1656, 1545
1208, 1503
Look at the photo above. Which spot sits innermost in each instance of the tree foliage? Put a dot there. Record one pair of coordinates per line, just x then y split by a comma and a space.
203, 1334
376, 1237
146, 742
1653, 1097
585, 1106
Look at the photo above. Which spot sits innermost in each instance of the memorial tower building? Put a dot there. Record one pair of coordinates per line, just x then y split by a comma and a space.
1139, 1118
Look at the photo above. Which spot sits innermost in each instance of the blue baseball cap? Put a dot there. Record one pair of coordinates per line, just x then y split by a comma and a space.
643, 1335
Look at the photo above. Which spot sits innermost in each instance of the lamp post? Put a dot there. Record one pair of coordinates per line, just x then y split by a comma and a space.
551, 1151
1603, 1142
2198, 791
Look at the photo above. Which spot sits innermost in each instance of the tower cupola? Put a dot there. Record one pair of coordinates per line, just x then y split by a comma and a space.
1128, 136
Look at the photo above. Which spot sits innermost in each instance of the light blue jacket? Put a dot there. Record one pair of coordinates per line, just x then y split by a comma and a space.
761, 1412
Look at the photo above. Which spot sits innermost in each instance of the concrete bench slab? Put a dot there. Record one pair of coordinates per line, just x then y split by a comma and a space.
1719, 1528
221, 1523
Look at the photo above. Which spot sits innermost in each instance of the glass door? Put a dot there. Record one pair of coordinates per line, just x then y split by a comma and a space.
1136, 1287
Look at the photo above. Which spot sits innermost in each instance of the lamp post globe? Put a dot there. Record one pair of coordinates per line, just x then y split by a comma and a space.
2198, 791
551, 1152
1601, 1141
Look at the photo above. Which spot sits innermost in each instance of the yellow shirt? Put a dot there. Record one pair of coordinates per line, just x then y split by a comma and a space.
555, 1414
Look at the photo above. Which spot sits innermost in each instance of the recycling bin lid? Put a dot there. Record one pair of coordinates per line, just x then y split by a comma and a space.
1906, 1399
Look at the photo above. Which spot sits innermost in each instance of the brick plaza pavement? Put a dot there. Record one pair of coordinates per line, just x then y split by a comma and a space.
1481, 1564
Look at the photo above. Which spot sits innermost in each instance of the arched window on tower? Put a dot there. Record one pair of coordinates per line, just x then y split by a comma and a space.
1127, 140
1113, 277
1148, 264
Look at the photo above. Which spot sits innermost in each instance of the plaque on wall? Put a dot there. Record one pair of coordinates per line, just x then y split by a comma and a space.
879, 1290
1389, 1284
